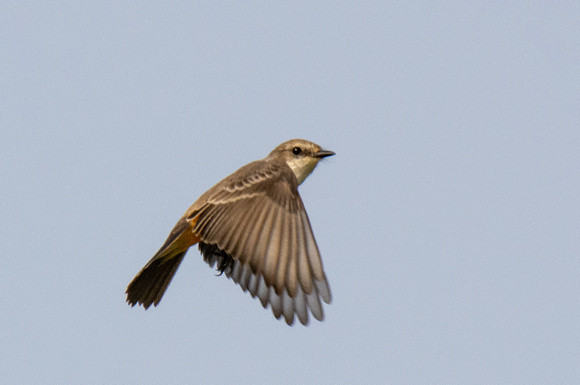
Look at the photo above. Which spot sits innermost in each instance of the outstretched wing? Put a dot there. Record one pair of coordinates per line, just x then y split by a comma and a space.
257, 218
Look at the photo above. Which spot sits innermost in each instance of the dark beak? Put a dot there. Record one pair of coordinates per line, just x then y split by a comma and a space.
323, 154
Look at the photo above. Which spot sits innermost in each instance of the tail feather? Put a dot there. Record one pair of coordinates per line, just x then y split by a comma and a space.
149, 285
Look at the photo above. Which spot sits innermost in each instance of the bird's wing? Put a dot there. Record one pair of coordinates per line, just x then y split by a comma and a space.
257, 217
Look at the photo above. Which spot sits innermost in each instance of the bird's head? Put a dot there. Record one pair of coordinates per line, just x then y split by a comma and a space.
301, 155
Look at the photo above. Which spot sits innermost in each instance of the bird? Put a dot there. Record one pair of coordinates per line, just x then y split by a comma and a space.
253, 228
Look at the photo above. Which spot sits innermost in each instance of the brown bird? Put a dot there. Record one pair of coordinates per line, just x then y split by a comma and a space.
253, 227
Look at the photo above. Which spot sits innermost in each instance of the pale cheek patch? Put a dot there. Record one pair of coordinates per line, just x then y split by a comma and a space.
302, 168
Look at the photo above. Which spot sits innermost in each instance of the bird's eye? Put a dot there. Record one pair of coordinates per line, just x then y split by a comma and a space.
297, 151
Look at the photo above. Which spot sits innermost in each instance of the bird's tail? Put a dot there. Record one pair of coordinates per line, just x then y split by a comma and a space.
150, 284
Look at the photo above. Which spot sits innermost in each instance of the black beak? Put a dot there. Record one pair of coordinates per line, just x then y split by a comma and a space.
323, 154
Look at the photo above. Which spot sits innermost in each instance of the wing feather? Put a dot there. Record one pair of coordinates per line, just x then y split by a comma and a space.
276, 304
312, 250
271, 256
253, 285
281, 233
315, 305
288, 307
263, 292
304, 273
253, 228
258, 219
245, 277
323, 289
260, 255
300, 306
237, 272
291, 273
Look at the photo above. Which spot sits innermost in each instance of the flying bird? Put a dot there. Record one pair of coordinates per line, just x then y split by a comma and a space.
252, 227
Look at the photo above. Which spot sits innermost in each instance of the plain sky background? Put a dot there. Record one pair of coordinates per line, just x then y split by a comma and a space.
448, 221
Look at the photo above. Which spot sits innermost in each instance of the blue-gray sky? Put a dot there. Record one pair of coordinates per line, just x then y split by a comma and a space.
448, 220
